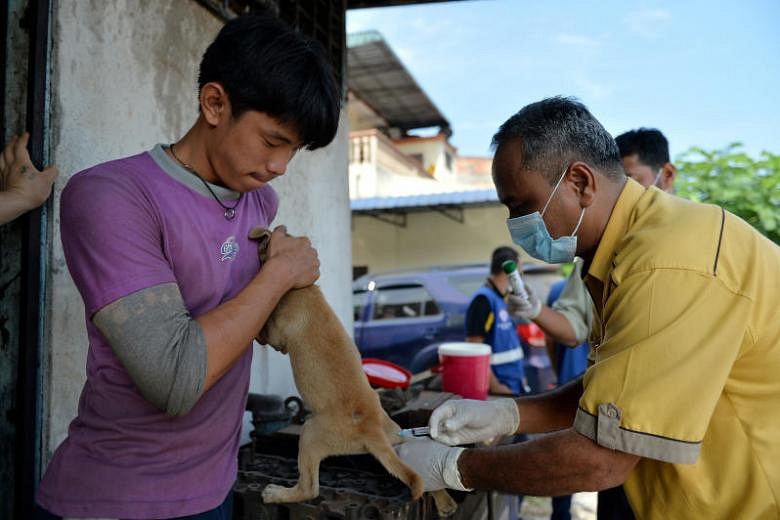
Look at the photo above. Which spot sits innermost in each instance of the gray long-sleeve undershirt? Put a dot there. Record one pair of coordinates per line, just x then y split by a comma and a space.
576, 305
160, 345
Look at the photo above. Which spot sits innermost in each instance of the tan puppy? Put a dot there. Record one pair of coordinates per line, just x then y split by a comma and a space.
347, 417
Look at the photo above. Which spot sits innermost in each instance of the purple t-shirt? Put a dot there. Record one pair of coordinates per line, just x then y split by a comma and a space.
127, 225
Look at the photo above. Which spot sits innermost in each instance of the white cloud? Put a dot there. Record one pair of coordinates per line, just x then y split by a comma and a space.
590, 88
647, 21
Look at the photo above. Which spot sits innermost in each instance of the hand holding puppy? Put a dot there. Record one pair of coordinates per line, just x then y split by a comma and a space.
293, 258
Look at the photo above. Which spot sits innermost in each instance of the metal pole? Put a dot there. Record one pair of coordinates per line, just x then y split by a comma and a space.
32, 276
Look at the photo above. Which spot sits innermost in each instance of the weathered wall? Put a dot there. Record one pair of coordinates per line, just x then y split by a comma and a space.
429, 239
124, 78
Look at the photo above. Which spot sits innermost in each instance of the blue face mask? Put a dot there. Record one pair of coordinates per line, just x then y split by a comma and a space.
530, 233
658, 178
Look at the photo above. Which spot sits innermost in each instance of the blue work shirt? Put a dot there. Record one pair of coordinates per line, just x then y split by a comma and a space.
500, 332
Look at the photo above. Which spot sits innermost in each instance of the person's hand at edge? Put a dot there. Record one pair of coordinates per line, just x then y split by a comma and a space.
22, 186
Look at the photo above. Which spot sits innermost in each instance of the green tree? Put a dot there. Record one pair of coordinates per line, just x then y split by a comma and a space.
747, 187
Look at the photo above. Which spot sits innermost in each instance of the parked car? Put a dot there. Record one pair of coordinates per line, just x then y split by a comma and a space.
398, 314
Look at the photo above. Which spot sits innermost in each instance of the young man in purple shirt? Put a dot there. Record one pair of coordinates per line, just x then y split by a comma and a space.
158, 247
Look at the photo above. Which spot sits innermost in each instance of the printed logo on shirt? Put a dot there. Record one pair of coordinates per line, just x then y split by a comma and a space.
229, 249
504, 322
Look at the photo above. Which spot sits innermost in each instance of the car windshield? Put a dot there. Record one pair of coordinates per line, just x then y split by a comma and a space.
403, 301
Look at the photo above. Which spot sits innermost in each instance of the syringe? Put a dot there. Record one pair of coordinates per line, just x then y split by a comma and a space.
420, 431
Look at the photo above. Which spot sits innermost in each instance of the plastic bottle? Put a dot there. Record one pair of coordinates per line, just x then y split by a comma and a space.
515, 280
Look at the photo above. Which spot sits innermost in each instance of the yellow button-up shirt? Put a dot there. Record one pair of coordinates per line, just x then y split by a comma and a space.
686, 369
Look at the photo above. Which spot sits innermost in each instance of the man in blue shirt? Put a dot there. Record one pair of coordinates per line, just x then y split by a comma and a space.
488, 321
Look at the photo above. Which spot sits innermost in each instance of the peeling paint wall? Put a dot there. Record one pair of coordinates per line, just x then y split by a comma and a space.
429, 239
124, 78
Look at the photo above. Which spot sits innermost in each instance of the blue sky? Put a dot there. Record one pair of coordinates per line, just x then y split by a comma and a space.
704, 73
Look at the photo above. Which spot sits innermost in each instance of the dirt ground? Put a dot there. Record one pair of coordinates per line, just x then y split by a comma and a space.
583, 507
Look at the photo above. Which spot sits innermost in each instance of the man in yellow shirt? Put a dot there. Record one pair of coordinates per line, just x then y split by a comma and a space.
682, 402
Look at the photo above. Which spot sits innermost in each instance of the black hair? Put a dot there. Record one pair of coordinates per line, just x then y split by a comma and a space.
557, 131
501, 255
649, 144
265, 65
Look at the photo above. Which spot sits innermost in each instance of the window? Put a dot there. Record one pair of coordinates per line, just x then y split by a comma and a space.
402, 302
448, 160
359, 299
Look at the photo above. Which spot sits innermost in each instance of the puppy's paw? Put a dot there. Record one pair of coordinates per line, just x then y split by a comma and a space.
273, 494
445, 505
278, 494
263, 238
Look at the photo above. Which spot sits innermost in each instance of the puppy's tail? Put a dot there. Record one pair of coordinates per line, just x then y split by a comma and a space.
383, 451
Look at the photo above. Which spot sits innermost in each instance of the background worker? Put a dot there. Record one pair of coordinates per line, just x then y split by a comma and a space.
488, 321
645, 156
680, 311
158, 247
22, 186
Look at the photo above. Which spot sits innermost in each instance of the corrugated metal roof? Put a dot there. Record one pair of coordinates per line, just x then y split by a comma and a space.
357, 4
377, 76
410, 202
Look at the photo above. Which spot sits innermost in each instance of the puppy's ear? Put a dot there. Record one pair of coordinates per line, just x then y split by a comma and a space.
263, 237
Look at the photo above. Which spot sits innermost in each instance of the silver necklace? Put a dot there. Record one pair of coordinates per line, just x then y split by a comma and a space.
230, 211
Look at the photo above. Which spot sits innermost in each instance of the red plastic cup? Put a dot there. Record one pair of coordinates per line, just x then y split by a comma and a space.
465, 369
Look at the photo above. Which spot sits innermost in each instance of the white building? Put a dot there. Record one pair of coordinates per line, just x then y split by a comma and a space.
414, 202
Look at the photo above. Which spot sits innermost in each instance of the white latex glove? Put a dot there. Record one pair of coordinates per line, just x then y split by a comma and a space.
528, 309
436, 463
465, 421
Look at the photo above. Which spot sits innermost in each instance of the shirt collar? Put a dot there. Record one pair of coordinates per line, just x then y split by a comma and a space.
489, 283
188, 178
617, 226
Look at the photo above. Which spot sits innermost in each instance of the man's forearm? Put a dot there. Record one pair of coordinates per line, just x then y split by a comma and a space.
496, 387
230, 327
552, 353
550, 411
555, 324
571, 463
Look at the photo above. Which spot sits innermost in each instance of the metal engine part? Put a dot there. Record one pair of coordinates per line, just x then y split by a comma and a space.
345, 493
354, 487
